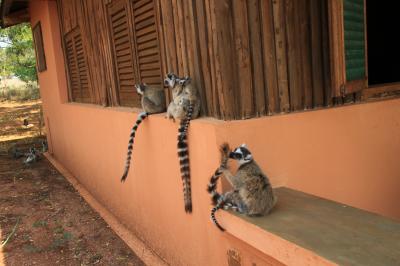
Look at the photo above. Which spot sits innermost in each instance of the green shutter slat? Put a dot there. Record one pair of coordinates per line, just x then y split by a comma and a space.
355, 73
356, 63
354, 39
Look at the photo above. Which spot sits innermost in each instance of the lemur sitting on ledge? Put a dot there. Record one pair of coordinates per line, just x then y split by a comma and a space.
252, 192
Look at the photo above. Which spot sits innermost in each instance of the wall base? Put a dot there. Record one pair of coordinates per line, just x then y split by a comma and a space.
137, 245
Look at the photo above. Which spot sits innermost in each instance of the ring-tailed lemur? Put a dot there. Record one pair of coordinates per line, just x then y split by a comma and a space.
185, 105
32, 156
153, 101
252, 192
193, 108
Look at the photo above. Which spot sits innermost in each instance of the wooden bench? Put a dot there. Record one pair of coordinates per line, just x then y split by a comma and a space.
307, 230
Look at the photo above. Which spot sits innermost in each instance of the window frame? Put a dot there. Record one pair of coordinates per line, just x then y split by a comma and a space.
37, 35
340, 87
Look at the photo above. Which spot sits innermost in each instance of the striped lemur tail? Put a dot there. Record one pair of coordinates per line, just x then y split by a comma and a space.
183, 127
183, 154
218, 199
213, 211
142, 116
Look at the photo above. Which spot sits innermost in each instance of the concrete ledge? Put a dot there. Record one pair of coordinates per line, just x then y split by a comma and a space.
308, 230
137, 246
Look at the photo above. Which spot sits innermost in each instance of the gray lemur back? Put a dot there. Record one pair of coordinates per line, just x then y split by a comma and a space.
153, 99
256, 191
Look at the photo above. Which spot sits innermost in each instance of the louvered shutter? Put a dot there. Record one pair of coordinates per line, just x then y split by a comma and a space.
39, 47
347, 31
122, 46
354, 39
147, 43
77, 67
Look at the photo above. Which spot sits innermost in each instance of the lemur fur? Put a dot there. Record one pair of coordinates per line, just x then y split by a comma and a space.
185, 105
153, 101
32, 156
252, 192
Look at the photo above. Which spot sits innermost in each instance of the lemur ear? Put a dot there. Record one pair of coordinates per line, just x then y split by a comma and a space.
243, 145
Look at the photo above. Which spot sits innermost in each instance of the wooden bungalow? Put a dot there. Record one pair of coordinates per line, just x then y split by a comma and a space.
331, 66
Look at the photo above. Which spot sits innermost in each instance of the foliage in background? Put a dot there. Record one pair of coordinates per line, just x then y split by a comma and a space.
28, 91
17, 55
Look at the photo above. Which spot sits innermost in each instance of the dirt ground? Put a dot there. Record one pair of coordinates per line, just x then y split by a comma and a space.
44, 219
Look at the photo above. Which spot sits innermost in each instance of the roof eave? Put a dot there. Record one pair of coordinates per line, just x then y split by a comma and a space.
8, 19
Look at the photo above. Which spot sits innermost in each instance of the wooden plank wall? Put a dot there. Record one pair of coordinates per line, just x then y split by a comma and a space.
120, 47
90, 18
249, 57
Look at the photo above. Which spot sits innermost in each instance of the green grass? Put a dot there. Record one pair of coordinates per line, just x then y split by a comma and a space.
25, 92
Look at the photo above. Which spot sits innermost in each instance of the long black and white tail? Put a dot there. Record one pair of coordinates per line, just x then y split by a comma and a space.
212, 187
213, 211
142, 116
223, 203
184, 125
217, 199
183, 154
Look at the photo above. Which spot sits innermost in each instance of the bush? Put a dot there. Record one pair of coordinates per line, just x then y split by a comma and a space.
28, 91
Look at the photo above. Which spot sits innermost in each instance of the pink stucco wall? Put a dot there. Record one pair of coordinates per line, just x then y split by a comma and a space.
347, 154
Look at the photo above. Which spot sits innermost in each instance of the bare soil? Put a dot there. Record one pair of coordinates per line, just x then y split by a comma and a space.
48, 221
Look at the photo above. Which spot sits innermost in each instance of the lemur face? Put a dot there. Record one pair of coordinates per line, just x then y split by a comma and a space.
241, 154
140, 88
170, 80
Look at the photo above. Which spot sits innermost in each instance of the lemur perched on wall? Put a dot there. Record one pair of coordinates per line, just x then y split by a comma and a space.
153, 101
252, 193
185, 105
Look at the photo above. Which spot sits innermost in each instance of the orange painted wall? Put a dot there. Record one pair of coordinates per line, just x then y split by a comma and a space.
347, 154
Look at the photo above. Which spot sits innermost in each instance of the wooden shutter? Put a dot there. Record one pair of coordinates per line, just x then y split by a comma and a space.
77, 67
122, 46
347, 44
147, 43
39, 48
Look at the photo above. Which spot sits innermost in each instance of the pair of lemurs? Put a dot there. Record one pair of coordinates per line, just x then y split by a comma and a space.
252, 193
185, 105
33, 155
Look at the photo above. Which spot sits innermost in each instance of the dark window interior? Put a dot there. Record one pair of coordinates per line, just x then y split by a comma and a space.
383, 42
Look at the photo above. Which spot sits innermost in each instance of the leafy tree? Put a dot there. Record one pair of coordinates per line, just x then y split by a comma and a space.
5, 71
18, 55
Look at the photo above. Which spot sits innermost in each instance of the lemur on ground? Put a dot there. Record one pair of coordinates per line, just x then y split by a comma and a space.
252, 192
152, 101
32, 156
185, 105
